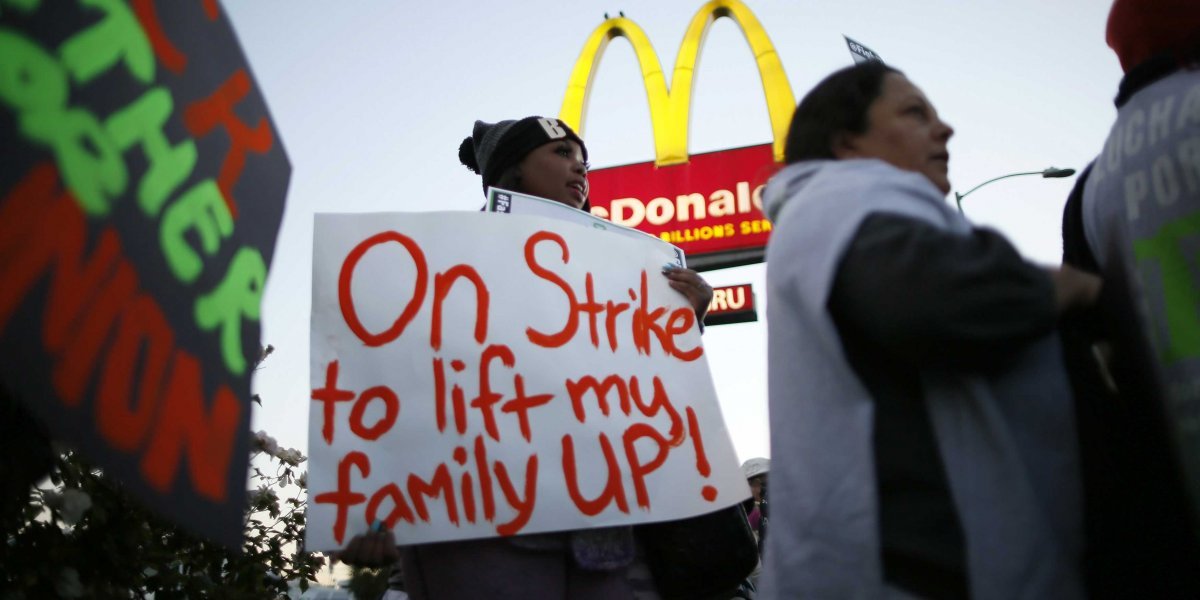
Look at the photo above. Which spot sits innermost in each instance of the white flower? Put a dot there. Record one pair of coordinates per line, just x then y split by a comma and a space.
266, 443
291, 456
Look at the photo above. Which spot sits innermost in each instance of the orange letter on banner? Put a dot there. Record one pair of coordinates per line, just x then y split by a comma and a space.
681, 321
204, 115
25, 248
183, 428
577, 388
391, 409
400, 509
524, 507
568, 330
167, 53
637, 469
41, 225
344, 497
488, 398
346, 296
78, 358
442, 284
330, 395
121, 417
660, 402
521, 403
613, 488
44, 229
210, 10
439, 486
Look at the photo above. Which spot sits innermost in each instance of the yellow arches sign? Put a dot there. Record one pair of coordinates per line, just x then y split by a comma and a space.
669, 109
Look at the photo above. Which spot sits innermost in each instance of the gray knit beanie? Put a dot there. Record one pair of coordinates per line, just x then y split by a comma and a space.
494, 147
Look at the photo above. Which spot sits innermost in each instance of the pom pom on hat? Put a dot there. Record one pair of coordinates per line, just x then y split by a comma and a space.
466, 155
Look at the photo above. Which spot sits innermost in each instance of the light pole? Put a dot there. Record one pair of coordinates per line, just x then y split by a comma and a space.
1051, 172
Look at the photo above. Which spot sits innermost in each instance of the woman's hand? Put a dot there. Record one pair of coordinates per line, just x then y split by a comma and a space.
1074, 288
372, 549
692, 286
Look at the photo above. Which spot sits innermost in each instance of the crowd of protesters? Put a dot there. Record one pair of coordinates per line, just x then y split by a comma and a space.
948, 419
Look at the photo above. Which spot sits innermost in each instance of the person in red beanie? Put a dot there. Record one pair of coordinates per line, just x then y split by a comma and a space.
1139, 30
1134, 218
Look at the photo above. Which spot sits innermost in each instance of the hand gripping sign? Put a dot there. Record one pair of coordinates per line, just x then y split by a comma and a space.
708, 204
141, 191
479, 375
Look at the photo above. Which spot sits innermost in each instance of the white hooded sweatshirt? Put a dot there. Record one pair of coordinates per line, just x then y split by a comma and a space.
1007, 441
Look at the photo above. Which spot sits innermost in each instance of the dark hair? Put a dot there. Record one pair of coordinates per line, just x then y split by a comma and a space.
838, 104
510, 179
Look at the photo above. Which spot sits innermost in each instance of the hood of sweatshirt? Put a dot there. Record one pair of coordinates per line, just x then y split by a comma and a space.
820, 181
788, 183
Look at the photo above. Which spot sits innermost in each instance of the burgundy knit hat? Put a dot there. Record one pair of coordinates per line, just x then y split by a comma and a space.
1140, 29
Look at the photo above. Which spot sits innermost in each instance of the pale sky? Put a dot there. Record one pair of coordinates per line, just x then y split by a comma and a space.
372, 99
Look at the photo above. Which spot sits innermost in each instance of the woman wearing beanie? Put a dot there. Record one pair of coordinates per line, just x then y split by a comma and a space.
538, 156
541, 157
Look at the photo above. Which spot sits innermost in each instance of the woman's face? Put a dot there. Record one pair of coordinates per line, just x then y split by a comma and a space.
756, 486
904, 130
556, 171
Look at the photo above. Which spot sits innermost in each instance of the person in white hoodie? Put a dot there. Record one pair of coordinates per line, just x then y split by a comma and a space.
921, 420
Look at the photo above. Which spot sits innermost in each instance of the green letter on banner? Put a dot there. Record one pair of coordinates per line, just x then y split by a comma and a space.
118, 36
237, 296
30, 79
169, 165
202, 209
23, 5
95, 177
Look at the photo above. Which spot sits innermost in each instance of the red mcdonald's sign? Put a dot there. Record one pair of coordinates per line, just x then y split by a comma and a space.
731, 304
708, 204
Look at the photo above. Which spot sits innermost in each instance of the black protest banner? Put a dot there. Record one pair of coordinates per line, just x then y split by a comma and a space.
141, 193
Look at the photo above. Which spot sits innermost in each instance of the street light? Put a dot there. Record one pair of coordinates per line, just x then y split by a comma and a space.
1052, 172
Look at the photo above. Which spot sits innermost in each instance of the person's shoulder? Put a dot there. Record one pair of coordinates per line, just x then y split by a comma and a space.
848, 190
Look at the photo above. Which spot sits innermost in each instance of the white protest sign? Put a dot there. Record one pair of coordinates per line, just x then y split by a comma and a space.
515, 203
479, 375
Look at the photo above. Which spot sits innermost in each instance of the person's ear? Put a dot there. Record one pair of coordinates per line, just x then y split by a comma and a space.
844, 145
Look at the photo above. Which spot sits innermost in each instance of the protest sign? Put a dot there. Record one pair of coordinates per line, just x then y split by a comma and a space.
480, 375
861, 53
142, 190
516, 203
